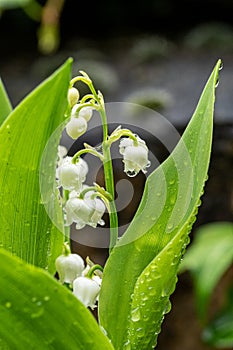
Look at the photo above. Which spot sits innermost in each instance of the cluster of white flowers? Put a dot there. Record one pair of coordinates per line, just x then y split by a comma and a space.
72, 271
86, 210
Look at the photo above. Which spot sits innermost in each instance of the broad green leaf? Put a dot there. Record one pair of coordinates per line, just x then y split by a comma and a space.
25, 228
219, 333
38, 313
210, 255
141, 272
5, 105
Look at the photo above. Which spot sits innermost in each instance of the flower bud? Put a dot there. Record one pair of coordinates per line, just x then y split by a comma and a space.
135, 157
76, 127
71, 176
86, 290
69, 267
73, 96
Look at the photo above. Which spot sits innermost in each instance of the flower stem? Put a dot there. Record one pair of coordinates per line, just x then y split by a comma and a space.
108, 174
93, 269
107, 160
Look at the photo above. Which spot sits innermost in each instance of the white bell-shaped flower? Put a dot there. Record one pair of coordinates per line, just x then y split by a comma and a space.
86, 290
86, 113
76, 127
84, 211
135, 158
71, 176
69, 267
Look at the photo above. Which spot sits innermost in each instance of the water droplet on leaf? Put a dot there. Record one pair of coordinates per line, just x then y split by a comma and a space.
136, 315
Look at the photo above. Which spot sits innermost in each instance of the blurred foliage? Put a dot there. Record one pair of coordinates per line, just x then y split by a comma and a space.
7, 4
218, 36
154, 98
47, 15
208, 258
219, 332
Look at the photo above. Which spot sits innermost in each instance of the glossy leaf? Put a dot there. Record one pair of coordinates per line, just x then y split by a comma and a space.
39, 313
141, 272
5, 105
25, 228
210, 255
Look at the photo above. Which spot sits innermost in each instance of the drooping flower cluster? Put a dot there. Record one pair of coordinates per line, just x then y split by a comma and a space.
72, 271
87, 209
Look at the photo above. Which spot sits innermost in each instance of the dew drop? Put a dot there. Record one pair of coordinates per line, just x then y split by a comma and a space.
140, 332
221, 66
127, 345
46, 298
101, 222
103, 330
131, 173
170, 226
38, 313
135, 315
152, 291
8, 304
167, 308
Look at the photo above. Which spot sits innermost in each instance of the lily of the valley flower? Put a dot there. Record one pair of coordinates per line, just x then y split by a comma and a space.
77, 125
86, 113
86, 290
135, 157
84, 211
71, 176
69, 267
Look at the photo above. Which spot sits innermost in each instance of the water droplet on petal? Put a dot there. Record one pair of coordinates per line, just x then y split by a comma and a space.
131, 173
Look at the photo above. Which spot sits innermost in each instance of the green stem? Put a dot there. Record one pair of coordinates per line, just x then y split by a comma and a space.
86, 150
107, 160
108, 171
109, 184
93, 269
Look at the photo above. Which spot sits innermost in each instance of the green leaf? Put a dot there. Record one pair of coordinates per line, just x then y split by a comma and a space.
209, 256
25, 227
39, 313
141, 272
219, 333
5, 105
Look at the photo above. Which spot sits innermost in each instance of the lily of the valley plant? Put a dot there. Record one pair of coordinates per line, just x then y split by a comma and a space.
131, 292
